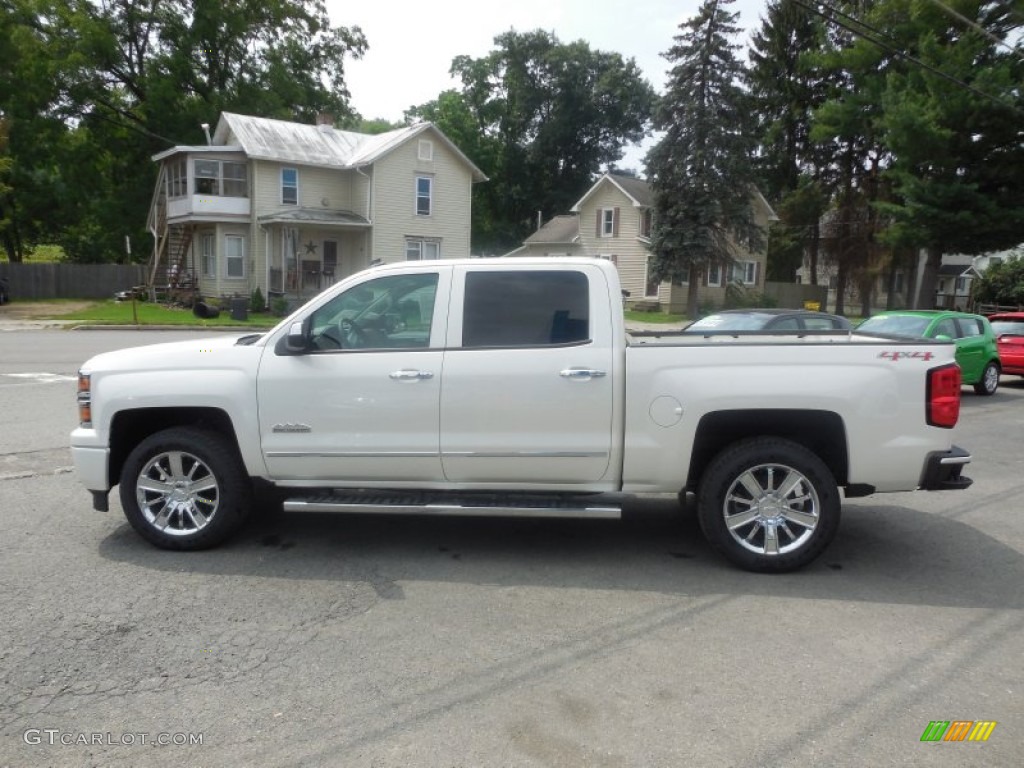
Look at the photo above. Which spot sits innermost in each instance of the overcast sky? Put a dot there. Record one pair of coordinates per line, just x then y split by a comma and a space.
412, 42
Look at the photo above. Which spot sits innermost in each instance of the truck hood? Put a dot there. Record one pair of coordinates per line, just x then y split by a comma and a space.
211, 352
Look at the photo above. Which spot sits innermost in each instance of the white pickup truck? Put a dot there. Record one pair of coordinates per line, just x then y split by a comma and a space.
510, 387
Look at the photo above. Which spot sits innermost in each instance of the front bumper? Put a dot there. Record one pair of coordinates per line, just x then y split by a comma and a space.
91, 457
942, 470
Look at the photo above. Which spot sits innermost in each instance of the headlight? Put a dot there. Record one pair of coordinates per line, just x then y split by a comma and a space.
84, 399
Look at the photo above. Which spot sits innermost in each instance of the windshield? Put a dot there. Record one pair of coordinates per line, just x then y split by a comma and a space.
732, 321
911, 326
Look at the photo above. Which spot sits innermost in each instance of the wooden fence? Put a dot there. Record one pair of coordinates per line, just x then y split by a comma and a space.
70, 281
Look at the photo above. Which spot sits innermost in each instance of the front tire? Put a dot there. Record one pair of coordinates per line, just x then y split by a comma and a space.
185, 489
768, 505
989, 382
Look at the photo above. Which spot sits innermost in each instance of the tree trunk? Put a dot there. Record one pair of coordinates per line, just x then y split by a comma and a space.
890, 284
866, 288
929, 278
813, 248
692, 291
12, 241
841, 288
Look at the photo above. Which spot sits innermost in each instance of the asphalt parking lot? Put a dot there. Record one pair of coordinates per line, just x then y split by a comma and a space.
323, 640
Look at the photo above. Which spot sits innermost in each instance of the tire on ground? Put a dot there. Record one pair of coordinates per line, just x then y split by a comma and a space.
989, 381
768, 504
185, 488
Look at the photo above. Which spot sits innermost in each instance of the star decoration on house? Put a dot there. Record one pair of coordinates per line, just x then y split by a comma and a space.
311, 248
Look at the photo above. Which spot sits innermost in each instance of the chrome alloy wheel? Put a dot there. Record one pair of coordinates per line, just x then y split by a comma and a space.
177, 493
771, 509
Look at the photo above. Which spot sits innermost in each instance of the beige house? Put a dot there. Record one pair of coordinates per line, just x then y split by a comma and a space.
613, 221
291, 208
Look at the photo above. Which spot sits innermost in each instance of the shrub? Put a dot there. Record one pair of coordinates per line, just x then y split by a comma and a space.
280, 306
256, 301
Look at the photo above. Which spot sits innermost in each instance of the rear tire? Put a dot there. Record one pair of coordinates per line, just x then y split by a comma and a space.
768, 505
989, 382
185, 489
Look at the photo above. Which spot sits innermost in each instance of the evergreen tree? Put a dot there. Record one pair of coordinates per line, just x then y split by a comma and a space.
786, 86
952, 124
701, 171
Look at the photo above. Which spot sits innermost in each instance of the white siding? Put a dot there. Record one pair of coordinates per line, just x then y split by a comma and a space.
629, 251
315, 186
394, 198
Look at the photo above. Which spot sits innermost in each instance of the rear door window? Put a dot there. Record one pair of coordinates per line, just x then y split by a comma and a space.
526, 309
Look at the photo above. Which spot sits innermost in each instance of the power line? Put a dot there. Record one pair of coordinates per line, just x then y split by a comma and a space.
975, 25
895, 51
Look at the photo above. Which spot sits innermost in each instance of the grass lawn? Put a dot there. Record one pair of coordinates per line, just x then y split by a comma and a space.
120, 313
653, 317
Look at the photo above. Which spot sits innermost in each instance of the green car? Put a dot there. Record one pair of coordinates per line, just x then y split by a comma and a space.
976, 351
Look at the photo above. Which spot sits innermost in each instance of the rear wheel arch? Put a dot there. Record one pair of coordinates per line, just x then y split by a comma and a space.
821, 432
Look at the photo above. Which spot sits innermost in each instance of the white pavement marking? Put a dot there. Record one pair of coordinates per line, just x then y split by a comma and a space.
45, 378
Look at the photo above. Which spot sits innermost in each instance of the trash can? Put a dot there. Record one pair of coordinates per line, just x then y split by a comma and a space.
204, 311
240, 309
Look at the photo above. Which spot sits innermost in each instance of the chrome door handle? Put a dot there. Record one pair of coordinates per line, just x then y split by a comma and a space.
581, 374
409, 375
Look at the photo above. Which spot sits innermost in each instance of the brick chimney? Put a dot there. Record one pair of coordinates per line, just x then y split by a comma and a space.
325, 122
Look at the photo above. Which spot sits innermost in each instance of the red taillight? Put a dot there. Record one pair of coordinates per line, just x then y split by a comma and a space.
943, 396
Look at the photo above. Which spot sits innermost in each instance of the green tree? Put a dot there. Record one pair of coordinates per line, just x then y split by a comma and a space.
92, 90
787, 84
798, 230
701, 171
1002, 283
952, 124
546, 116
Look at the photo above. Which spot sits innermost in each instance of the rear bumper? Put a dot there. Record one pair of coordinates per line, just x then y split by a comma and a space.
942, 470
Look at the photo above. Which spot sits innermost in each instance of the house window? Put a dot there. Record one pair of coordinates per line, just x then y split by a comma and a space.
426, 150
290, 186
607, 257
745, 272
608, 222
234, 256
961, 285
424, 195
177, 178
208, 255
646, 219
220, 178
206, 172
419, 250
715, 275
234, 180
